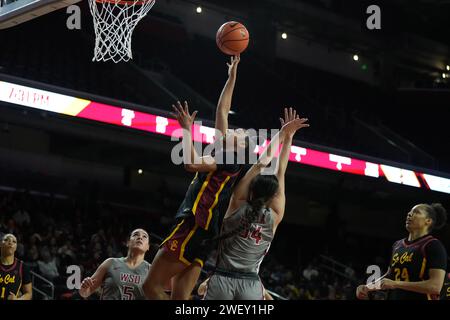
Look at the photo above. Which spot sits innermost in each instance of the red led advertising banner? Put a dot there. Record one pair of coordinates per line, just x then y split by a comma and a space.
116, 115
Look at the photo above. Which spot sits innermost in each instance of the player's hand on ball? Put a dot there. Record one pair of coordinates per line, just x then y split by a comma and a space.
232, 66
362, 292
182, 114
292, 122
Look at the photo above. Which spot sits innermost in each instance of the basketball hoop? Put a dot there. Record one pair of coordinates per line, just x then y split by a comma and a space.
114, 23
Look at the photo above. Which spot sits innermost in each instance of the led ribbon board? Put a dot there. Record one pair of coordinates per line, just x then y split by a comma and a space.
81, 108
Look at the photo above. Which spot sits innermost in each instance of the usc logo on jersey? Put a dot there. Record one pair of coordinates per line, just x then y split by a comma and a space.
174, 245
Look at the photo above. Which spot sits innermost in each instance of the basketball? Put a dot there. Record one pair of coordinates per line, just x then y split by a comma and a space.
232, 38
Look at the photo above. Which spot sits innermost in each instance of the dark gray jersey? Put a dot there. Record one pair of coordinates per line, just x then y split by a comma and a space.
245, 251
123, 283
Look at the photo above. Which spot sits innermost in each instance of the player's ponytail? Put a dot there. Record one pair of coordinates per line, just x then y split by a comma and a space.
261, 190
438, 214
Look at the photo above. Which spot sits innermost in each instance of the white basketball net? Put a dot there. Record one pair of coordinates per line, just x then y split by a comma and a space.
114, 23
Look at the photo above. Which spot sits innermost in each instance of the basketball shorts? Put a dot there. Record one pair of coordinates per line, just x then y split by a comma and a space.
188, 242
234, 287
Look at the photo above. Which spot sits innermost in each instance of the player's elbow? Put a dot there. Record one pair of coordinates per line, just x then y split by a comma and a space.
435, 289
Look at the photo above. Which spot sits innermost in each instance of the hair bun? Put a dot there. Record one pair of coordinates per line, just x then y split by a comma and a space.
441, 215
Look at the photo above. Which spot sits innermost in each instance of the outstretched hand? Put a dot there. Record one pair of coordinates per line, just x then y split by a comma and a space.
182, 114
292, 122
232, 66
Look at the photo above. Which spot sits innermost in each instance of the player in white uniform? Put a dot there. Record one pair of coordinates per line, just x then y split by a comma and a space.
122, 278
256, 209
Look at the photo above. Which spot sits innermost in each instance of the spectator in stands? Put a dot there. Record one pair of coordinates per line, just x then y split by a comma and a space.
332, 291
349, 270
10, 226
47, 265
2, 223
21, 217
32, 257
310, 273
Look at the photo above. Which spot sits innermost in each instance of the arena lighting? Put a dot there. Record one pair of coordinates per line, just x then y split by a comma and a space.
18, 95
284, 35
140, 171
199, 9
447, 67
444, 76
355, 57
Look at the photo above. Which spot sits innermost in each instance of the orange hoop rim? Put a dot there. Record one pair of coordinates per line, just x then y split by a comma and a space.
125, 2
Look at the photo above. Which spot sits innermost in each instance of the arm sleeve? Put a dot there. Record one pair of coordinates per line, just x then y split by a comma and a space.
436, 255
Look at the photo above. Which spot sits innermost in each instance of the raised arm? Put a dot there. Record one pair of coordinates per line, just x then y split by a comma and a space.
224, 104
290, 126
192, 161
279, 200
240, 192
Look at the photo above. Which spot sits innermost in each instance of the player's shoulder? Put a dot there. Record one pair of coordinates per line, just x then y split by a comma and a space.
434, 243
20, 264
112, 261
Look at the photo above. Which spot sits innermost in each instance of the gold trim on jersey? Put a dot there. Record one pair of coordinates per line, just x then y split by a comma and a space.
422, 269
195, 177
216, 200
18, 289
182, 258
199, 261
200, 193
173, 232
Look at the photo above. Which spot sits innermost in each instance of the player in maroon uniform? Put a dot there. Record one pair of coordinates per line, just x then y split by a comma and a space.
419, 262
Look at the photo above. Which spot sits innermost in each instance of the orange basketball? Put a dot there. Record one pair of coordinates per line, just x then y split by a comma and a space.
232, 38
